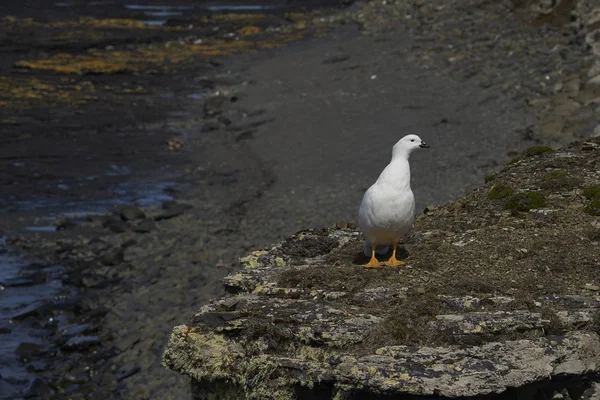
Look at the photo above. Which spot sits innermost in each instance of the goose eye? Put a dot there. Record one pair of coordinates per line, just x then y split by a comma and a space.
412, 140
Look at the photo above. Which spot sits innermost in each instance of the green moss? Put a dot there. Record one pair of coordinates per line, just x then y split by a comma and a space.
490, 178
537, 150
500, 192
560, 180
594, 207
592, 192
514, 160
525, 201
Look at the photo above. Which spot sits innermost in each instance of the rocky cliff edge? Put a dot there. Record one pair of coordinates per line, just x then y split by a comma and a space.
500, 295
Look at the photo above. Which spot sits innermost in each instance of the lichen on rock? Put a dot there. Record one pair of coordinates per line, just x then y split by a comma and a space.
490, 300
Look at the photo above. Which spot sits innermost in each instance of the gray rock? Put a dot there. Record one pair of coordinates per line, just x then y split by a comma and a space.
89, 280
249, 125
31, 310
113, 256
66, 224
171, 213
145, 226
115, 225
19, 281
577, 318
245, 135
446, 371
128, 341
76, 329
489, 322
592, 393
26, 348
214, 104
217, 318
128, 372
562, 395
81, 343
210, 126
172, 210
224, 120
336, 59
132, 213
37, 388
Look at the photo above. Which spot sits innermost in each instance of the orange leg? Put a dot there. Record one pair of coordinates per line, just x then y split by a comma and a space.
393, 261
373, 262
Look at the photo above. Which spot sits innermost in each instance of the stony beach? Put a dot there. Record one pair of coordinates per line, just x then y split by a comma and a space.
182, 147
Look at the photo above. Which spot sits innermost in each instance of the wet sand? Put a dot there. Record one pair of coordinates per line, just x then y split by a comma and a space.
256, 146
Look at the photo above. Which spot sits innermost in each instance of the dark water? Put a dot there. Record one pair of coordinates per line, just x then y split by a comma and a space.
143, 194
27, 285
26, 288
155, 12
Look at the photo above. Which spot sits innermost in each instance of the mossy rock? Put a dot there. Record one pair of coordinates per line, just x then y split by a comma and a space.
525, 201
500, 192
489, 178
594, 207
592, 192
306, 246
560, 180
537, 150
514, 160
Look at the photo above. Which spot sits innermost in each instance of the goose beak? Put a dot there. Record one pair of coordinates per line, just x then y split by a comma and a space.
423, 145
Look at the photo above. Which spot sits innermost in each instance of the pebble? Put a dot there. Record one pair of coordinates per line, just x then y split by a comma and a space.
15, 282
75, 329
32, 310
115, 225
81, 343
27, 348
214, 104
66, 224
210, 126
589, 286
37, 388
132, 213
224, 120
128, 372
336, 59
127, 342
113, 257
145, 226
172, 210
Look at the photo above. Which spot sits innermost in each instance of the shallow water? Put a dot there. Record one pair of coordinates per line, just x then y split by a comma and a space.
242, 7
127, 193
24, 285
156, 7
20, 288
157, 12
157, 22
163, 13
41, 228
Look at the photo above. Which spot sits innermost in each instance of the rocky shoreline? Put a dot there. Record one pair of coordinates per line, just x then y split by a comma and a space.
143, 270
84, 225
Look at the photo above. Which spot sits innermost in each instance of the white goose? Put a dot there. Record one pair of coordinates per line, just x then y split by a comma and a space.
387, 209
